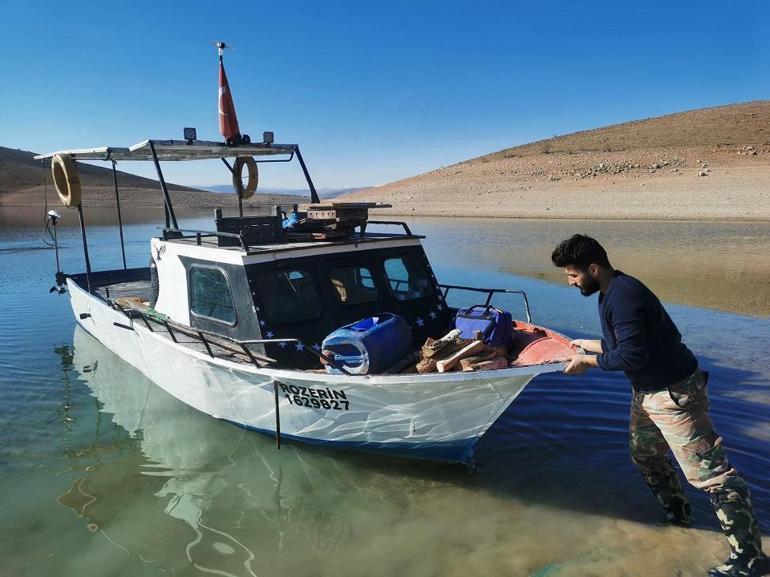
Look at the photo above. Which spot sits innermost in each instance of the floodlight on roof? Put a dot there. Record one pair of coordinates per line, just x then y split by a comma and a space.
190, 134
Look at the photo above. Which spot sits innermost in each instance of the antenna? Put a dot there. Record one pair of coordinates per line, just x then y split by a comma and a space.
221, 47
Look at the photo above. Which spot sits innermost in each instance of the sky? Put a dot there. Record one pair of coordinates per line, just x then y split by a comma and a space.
371, 91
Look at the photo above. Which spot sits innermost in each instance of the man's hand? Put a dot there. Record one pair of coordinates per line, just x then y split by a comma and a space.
590, 346
579, 364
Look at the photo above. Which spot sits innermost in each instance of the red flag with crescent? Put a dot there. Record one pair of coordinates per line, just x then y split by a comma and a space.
228, 121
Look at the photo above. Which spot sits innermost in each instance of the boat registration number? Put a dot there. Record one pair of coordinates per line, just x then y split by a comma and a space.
313, 398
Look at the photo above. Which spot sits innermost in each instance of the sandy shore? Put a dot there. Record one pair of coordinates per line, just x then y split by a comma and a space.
476, 189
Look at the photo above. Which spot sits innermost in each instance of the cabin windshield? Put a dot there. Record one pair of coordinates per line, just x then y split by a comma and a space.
289, 296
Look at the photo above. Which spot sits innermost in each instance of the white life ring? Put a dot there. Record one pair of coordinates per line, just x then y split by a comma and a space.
251, 186
66, 179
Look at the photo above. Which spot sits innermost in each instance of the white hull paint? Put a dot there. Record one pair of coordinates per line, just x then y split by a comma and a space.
430, 416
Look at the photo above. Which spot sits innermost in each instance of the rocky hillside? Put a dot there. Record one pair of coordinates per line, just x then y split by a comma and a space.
20, 171
710, 163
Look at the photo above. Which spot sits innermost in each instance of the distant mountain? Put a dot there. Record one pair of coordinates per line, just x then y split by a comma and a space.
325, 193
23, 182
19, 170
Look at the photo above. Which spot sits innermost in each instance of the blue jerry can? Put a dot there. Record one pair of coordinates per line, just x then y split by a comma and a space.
371, 345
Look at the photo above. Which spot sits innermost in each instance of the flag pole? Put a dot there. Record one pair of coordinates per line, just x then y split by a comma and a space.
228, 120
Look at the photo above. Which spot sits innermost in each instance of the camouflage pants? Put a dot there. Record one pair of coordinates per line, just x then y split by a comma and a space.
677, 418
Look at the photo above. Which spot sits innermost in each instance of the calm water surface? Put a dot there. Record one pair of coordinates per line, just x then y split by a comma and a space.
102, 473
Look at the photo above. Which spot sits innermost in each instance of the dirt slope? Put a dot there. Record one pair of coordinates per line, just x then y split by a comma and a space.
711, 163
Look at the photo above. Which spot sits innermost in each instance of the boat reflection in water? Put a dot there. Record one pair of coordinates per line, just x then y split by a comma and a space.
246, 508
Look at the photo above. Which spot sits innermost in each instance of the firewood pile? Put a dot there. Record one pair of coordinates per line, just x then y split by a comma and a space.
451, 353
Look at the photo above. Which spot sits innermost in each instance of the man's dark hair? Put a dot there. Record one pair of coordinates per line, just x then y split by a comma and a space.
581, 251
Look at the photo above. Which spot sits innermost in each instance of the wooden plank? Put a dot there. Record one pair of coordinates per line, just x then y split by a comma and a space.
467, 351
432, 347
491, 364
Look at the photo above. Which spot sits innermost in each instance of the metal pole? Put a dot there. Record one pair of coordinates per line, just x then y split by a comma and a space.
120, 218
85, 247
56, 248
277, 416
313, 193
166, 197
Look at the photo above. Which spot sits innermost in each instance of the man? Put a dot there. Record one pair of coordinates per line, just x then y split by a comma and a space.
669, 406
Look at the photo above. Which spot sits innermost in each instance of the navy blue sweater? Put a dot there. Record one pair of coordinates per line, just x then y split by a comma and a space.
640, 338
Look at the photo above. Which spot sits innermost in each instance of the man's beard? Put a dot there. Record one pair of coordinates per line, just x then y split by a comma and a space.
591, 286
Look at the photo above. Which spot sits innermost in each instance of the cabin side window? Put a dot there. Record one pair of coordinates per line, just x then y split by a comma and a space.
289, 296
353, 285
210, 295
408, 278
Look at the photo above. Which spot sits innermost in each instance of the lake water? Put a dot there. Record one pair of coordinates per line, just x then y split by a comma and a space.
102, 473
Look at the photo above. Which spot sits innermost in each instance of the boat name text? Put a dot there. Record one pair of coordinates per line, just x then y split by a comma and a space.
315, 398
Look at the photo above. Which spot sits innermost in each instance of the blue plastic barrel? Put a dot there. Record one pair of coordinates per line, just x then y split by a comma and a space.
371, 345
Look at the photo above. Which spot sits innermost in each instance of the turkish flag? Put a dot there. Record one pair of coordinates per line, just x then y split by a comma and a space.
228, 121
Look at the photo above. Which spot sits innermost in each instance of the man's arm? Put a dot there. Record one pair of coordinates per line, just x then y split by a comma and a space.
589, 346
630, 353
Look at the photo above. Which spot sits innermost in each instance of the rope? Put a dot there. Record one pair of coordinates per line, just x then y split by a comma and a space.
49, 219
47, 232
46, 218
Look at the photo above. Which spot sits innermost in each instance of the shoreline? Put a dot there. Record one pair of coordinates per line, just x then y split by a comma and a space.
401, 212
582, 218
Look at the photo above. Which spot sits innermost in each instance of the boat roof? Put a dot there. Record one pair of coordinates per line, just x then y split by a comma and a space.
175, 150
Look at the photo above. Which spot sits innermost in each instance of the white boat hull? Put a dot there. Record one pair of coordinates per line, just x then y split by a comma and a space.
430, 416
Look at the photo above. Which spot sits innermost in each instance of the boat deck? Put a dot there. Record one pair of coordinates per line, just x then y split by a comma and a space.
130, 290
138, 288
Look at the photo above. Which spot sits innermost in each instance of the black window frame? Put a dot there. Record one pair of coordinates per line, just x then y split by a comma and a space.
428, 274
229, 291
373, 277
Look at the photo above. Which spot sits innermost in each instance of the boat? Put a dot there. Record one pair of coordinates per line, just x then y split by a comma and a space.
231, 321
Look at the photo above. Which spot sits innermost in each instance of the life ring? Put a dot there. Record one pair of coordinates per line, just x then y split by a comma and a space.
251, 186
66, 179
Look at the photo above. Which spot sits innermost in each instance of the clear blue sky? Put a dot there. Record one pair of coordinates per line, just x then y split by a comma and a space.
372, 91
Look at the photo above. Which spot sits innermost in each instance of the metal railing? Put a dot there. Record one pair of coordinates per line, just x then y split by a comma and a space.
198, 235
391, 223
209, 339
490, 293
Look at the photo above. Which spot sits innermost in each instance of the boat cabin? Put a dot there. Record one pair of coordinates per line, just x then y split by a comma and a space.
294, 287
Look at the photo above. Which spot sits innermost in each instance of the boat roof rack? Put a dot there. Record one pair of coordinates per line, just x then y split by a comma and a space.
175, 150
335, 221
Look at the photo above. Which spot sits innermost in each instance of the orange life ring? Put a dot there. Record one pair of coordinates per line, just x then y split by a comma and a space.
251, 186
66, 179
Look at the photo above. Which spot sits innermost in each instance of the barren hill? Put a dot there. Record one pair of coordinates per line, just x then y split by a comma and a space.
712, 163
22, 184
